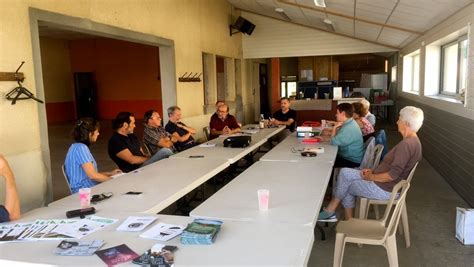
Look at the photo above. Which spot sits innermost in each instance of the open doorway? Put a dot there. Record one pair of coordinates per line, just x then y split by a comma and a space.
83, 68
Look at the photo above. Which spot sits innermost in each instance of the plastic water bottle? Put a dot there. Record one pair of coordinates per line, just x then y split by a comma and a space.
262, 122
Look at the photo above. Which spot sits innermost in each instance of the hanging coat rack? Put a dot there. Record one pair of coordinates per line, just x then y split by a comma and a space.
191, 77
19, 92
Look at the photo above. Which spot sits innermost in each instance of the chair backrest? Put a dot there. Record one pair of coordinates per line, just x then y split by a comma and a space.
412, 172
146, 149
369, 146
377, 156
65, 177
207, 132
399, 190
381, 138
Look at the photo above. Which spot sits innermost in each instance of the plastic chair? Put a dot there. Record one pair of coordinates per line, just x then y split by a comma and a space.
65, 177
373, 232
207, 132
381, 138
369, 147
364, 206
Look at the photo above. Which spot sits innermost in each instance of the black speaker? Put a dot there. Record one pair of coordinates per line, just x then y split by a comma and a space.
243, 25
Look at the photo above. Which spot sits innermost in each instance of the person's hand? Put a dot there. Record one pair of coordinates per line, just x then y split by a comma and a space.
226, 130
4, 167
337, 124
366, 174
173, 139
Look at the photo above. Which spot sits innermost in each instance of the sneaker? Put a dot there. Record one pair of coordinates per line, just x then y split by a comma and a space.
325, 216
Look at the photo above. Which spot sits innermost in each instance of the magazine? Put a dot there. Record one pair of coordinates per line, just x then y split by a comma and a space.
116, 255
78, 248
158, 256
136, 223
163, 232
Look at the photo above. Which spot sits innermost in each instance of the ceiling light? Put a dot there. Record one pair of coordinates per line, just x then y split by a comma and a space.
320, 3
279, 9
327, 21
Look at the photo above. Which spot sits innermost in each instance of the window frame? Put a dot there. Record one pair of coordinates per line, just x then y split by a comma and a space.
285, 80
457, 41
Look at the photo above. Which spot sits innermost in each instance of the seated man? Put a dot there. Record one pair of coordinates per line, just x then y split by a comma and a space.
179, 131
347, 135
11, 210
224, 123
215, 115
125, 149
155, 137
378, 184
285, 116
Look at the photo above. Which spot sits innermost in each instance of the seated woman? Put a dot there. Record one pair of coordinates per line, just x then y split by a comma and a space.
347, 136
80, 166
378, 184
359, 117
10, 211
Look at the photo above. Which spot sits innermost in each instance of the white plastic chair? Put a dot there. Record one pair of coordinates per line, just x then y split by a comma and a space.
373, 232
364, 206
65, 177
207, 132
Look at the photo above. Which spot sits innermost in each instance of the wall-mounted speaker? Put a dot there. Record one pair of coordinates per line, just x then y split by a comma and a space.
242, 25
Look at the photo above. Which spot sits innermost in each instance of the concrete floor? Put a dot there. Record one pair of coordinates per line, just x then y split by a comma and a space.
431, 210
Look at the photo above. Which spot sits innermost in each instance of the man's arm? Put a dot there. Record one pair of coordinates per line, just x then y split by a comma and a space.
181, 138
165, 142
12, 201
286, 123
190, 130
130, 158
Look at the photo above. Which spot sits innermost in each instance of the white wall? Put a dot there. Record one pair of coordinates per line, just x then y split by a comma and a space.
276, 38
463, 18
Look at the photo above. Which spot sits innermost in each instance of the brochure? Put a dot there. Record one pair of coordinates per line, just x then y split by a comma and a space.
136, 223
158, 256
80, 228
11, 232
116, 255
78, 248
46, 230
163, 232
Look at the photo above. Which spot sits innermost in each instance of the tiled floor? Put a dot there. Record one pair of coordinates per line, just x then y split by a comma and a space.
431, 210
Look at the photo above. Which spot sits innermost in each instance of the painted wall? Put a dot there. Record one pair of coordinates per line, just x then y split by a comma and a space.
276, 38
194, 26
127, 74
447, 131
57, 80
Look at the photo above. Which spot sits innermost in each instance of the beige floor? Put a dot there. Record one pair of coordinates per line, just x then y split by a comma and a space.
431, 210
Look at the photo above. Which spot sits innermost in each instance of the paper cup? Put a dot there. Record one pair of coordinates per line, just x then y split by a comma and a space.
85, 197
263, 199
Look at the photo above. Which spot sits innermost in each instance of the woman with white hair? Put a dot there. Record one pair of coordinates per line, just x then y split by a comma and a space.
378, 184
370, 117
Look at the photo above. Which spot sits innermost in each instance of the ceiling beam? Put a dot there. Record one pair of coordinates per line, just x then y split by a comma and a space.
325, 10
320, 29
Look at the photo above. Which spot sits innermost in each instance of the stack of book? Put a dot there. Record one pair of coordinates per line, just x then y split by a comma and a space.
200, 232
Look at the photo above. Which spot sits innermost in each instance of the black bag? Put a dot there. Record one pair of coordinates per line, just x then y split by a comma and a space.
238, 141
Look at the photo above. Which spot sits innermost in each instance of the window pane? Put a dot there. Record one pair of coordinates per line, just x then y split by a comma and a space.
450, 68
291, 89
416, 73
283, 89
463, 65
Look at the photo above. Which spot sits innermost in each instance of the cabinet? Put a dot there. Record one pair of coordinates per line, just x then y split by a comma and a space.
321, 66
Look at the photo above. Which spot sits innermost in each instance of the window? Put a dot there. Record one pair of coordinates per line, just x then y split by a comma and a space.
454, 67
411, 72
288, 86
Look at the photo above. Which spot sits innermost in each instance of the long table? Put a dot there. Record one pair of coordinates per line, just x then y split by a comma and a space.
161, 184
296, 194
237, 244
290, 150
218, 151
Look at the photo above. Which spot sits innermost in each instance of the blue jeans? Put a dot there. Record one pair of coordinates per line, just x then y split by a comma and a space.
161, 154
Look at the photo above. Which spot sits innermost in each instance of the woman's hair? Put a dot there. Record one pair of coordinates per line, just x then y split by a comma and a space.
347, 108
83, 128
365, 103
413, 116
359, 109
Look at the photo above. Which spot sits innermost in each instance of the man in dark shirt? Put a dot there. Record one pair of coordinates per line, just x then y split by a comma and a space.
285, 116
224, 123
178, 130
11, 210
124, 148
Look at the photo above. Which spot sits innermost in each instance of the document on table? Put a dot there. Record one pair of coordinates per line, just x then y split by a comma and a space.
163, 232
207, 145
136, 223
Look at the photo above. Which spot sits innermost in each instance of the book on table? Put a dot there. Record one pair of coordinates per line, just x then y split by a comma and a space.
201, 232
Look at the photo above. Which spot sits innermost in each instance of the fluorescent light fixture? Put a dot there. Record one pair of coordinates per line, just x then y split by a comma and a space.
327, 21
279, 9
320, 3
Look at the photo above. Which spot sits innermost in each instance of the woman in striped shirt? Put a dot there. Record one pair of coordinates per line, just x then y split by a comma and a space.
80, 165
